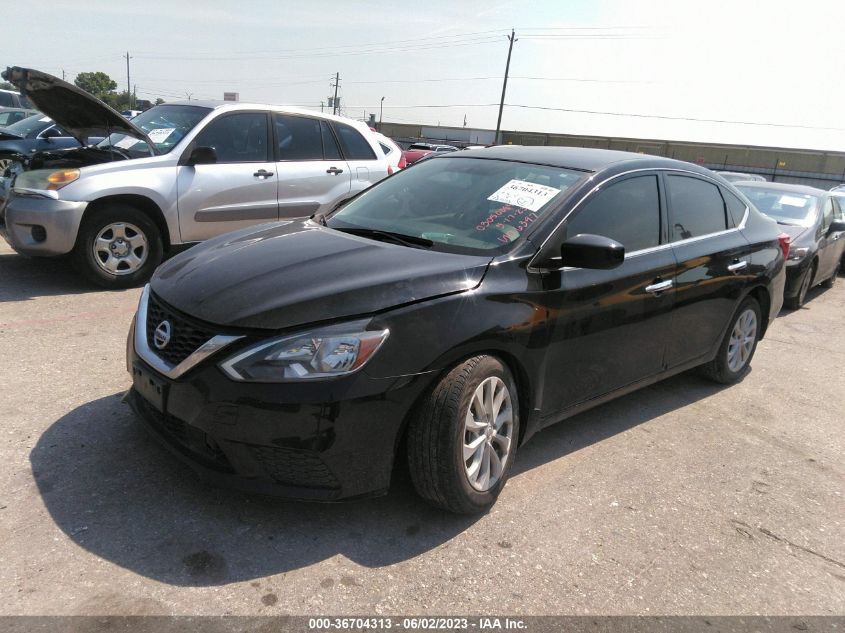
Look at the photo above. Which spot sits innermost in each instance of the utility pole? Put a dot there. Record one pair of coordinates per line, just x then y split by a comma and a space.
512, 39
63, 74
128, 91
321, 106
380, 113
336, 84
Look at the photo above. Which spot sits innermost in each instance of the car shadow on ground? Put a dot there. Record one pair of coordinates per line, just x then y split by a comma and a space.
121, 496
26, 278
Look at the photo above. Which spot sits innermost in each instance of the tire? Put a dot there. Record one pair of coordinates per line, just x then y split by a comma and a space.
723, 369
797, 302
440, 429
830, 282
135, 259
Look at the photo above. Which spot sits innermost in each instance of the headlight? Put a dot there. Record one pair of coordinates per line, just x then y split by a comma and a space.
46, 179
321, 353
797, 254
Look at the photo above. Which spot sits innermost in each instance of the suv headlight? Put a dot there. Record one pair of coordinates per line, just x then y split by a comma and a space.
321, 353
46, 179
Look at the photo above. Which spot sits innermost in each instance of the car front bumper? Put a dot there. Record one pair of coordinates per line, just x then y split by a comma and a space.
38, 225
317, 442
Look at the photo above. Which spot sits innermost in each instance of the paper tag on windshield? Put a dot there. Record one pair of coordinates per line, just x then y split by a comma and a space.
160, 135
793, 201
526, 195
126, 143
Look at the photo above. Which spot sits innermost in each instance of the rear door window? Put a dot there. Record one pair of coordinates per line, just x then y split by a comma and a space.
237, 138
355, 146
331, 151
297, 138
696, 207
626, 211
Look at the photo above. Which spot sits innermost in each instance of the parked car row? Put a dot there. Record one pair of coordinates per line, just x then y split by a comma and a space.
176, 174
440, 316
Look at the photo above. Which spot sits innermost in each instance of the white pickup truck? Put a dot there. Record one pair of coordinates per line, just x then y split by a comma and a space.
176, 174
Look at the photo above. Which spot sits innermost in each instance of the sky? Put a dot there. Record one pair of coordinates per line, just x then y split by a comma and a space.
758, 73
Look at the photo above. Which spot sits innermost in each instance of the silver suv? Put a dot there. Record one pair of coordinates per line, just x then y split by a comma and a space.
176, 174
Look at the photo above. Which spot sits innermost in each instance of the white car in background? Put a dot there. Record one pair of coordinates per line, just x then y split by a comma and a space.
176, 174
392, 152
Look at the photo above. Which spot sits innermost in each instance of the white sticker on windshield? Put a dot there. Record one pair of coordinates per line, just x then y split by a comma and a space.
527, 195
126, 143
793, 201
160, 135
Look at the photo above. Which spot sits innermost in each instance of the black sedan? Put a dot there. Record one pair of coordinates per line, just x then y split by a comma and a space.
446, 315
813, 220
35, 133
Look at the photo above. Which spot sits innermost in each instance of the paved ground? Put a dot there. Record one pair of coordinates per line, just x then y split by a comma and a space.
681, 499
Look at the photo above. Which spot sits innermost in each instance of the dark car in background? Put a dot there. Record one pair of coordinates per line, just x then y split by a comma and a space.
13, 115
444, 316
19, 141
814, 222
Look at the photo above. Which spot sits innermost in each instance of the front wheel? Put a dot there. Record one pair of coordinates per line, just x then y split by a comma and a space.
118, 247
462, 440
797, 302
738, 346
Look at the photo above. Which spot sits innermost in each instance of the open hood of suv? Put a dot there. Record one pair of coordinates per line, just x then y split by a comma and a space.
81, 114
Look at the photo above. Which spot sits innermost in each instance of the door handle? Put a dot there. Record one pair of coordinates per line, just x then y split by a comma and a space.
737, 265
659, 286
263, 173
334, 170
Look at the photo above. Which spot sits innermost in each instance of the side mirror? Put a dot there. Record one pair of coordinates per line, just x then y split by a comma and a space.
202, 156
592, 251
837, 226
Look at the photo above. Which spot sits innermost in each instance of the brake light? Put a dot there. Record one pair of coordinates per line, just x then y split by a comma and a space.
402, 162
785, 241
390, 170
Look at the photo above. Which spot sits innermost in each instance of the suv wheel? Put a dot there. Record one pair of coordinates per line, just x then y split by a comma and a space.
118, 246
738, 346
462, 441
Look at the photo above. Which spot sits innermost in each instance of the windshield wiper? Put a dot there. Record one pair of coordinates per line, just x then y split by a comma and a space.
397, 238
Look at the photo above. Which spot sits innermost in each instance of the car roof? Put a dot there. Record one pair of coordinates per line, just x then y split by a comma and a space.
783, 186
578, 158
242, 105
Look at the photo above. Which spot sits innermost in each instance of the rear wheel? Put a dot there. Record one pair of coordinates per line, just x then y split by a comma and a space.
462, 441
738, 346
118, 247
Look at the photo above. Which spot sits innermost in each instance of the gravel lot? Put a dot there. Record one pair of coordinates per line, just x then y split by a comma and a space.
684, 498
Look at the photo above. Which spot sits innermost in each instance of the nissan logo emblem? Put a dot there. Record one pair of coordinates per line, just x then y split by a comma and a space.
161, 336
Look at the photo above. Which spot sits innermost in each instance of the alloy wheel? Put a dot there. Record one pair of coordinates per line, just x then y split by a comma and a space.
120, 248
743, 337
488, 434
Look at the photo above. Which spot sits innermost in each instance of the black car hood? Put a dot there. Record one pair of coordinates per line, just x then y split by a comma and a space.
73, 109
288, 274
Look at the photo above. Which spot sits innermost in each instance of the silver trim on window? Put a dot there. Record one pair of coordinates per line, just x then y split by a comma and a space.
652, 249
142, 348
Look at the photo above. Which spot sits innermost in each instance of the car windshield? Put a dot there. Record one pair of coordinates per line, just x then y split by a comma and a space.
24, 127
784, 206
459, 205
165, 125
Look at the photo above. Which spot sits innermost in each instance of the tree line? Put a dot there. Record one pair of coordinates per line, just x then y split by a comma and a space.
103, 87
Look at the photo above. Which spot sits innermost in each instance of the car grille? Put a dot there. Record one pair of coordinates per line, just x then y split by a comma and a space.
186, 335
292, 467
